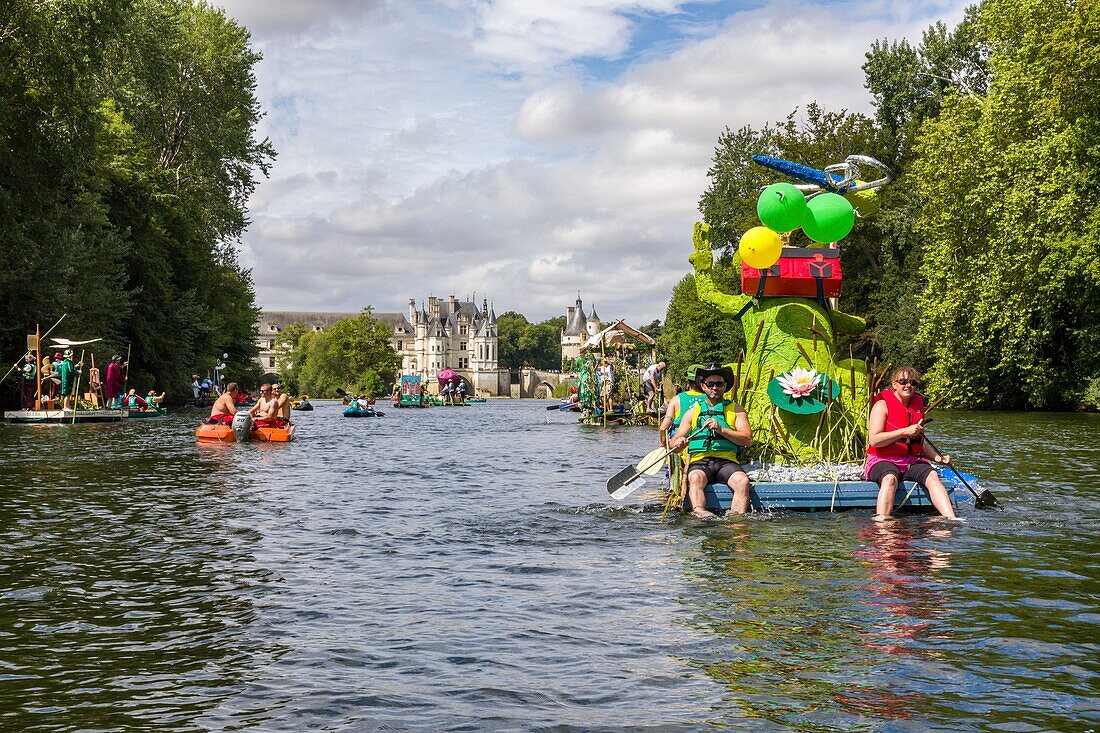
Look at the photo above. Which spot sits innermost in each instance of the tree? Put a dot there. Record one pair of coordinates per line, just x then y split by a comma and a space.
1009, 181
696, 332
354, 353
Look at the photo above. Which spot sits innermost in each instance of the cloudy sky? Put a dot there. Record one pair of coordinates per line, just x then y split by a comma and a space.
521, 150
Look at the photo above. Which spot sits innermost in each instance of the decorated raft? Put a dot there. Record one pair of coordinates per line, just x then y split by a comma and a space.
409, 392
807, 404
61, 417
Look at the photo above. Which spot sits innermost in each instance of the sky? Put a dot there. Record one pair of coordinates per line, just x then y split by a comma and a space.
522, 151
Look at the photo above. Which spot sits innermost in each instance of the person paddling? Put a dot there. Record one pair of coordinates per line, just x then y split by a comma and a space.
896, 448
224, 409
714, 454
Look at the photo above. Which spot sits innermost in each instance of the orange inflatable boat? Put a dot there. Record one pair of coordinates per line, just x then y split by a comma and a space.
274, 435
215, 433
242, 430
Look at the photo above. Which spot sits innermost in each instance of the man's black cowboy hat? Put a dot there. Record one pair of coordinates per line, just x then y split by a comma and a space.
711, 369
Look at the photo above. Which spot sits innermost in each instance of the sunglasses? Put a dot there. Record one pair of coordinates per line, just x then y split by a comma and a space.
714, 384
907, 382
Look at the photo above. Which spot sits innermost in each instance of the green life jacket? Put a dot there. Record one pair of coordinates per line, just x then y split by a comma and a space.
685, 401
705, 443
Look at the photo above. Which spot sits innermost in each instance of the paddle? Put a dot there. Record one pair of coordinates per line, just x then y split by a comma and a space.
556, 406
982, 498
630, 479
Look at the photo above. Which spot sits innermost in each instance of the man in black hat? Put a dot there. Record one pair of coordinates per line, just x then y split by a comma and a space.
713, 454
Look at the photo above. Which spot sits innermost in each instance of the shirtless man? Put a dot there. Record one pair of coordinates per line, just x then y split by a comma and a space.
282, 401
266, 409
224, 409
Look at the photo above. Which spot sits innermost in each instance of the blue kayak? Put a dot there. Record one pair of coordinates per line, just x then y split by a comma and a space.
355, 411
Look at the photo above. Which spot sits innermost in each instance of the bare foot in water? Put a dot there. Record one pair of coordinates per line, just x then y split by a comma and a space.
702, 513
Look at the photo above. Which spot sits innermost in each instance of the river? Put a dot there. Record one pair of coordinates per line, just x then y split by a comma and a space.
463, 569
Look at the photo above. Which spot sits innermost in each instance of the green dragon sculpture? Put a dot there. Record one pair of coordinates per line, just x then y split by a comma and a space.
782, 333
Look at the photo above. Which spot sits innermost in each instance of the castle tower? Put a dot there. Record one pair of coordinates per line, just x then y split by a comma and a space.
593, 323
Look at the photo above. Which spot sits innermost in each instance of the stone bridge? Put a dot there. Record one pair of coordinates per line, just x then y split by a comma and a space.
536, 383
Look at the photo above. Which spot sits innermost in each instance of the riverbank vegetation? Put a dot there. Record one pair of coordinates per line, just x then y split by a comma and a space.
522, 343
128, 150
983, 265
353, 354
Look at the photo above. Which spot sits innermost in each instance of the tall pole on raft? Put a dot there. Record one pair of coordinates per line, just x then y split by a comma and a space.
38, 366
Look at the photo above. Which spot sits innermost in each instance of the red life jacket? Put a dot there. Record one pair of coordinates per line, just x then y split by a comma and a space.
899, 416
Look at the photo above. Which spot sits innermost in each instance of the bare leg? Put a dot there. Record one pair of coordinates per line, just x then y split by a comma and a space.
937, 492
697, 481
739, 484
884, 507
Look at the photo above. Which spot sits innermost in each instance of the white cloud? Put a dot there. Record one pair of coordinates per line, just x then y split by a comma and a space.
431, 148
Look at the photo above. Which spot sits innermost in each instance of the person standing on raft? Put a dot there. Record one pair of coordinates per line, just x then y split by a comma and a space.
65, 370
896, 448
223, 409
713, 455
114, 382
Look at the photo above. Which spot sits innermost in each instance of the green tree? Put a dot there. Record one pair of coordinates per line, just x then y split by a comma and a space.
1009, 181
696, 332
355, 353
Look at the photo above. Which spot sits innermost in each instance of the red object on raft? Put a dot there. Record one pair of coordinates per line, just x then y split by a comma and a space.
797, 274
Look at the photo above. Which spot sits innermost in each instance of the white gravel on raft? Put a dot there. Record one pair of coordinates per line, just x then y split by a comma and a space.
778, 473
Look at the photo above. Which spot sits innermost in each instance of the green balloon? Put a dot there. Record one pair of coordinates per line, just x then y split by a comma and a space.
781, 207
829, 218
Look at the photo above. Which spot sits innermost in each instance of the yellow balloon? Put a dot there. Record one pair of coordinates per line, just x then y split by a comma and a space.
760, 247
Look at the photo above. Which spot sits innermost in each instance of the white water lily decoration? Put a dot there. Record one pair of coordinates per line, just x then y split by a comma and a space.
799, 382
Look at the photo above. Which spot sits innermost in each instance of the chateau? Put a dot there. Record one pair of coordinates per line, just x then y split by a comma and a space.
442, 334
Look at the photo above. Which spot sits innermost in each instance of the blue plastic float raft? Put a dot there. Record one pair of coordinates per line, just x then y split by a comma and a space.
835, 496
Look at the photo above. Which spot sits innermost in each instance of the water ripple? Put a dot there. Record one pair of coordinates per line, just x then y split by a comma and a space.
463, 570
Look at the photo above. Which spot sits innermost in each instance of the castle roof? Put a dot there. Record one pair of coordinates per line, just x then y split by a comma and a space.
577, 324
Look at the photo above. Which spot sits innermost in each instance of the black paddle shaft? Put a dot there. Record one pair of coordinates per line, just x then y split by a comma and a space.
982, 498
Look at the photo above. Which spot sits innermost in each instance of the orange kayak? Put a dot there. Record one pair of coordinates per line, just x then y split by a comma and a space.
216, 433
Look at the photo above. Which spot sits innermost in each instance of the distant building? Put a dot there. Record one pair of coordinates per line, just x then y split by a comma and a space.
578, 329
443, 334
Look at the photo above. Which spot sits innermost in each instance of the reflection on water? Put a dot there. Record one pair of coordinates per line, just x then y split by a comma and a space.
462, 570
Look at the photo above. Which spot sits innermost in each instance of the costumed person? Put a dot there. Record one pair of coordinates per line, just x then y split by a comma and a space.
896, 448
65, 371
27, 383
679, 405
223, 409
714, 454
462, 392
114, 382
195, 386
154, 399
50, 382
651, 383
133, 402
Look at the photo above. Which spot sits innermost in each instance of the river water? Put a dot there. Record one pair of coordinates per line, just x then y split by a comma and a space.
463, 569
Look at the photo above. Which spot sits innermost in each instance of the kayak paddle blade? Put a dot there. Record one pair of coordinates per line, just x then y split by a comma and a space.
636, 482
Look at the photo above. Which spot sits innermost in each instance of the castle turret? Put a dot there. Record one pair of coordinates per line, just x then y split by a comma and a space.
593, 323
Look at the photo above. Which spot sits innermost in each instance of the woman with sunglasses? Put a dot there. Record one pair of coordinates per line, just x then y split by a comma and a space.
896, 449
